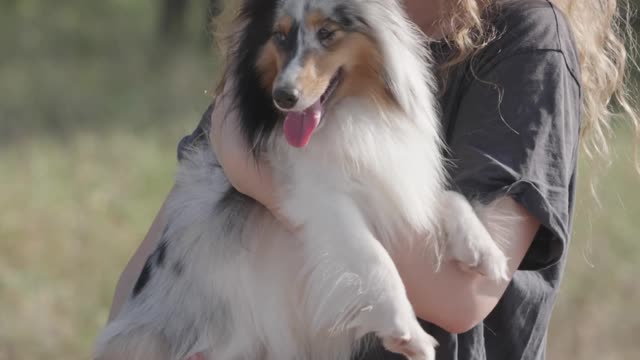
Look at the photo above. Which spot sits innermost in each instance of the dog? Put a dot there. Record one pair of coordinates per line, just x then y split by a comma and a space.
338, 97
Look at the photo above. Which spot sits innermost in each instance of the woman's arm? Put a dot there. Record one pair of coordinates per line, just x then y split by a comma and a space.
455, 299
134, 267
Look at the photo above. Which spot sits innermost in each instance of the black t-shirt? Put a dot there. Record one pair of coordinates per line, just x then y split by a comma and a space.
511, 120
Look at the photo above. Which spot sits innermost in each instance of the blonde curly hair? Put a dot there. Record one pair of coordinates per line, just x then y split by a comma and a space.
606, 49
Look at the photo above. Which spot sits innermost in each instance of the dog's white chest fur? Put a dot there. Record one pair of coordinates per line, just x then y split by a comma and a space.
390, 166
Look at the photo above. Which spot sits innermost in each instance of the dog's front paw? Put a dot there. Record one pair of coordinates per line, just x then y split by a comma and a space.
476, 251
469, 242
487, 260
393, 320
415, 345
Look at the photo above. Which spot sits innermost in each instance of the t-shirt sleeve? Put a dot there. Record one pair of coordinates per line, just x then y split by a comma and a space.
200, 136
516, 133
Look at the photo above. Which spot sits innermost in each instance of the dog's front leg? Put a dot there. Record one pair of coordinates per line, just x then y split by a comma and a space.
468, 239
351, 284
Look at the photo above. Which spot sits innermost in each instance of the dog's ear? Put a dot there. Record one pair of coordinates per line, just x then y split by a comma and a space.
258, 115
407, 60
252, 8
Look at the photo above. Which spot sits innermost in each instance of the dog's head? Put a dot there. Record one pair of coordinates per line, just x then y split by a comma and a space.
319, 52
298, 59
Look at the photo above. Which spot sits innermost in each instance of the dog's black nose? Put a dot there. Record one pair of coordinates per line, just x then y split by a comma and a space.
286, 98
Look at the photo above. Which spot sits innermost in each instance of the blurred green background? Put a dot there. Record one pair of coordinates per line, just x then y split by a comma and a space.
94, 96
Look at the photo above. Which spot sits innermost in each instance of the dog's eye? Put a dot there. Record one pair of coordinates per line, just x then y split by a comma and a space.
326, 36
279, 37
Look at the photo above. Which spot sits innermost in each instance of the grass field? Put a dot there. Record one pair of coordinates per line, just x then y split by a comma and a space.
91, 109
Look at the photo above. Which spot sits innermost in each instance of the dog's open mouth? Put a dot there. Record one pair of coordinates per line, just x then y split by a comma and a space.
300, 125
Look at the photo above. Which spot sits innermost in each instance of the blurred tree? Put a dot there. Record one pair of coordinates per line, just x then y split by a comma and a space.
173, 13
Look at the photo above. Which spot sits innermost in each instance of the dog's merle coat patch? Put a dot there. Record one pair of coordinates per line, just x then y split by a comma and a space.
143, 279
161, 253
154, 261
232, 208
177, 268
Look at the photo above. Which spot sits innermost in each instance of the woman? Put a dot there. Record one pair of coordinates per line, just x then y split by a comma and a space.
522, 85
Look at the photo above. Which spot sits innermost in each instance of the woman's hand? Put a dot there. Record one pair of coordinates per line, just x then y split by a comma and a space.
245, 174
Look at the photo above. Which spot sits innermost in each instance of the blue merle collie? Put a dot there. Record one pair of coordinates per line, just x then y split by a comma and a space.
338, 96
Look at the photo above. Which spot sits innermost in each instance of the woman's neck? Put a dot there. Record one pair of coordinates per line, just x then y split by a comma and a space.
427, 14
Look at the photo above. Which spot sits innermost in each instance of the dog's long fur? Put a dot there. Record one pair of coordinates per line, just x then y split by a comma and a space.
228, 280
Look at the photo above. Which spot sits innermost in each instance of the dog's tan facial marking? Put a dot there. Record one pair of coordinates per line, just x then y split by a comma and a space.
364, 67
315, 19
317, 71
322, 48
269, 64
284, 24
320, 64
327, 31
355, 52
271, 58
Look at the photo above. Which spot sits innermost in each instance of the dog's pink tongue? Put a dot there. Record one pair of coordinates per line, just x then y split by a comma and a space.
299, 126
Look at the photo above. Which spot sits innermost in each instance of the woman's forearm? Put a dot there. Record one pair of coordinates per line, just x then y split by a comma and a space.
456, 299
451, 297
132, 271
